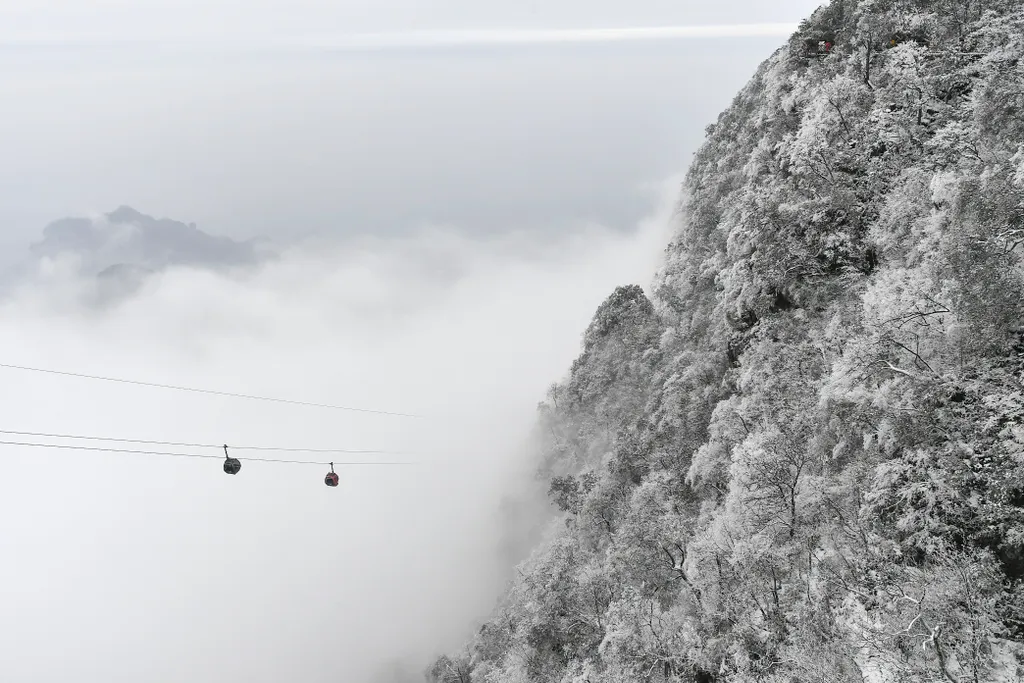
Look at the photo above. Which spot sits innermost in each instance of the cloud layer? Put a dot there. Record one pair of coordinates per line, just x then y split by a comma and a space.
166, 569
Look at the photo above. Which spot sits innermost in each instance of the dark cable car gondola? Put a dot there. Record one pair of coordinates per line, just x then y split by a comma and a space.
332, 478
231, 465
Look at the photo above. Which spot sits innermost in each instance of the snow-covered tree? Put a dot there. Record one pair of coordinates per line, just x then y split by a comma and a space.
800, 457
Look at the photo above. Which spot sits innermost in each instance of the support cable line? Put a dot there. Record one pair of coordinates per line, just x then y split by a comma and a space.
181, 444
207, 391
191, 455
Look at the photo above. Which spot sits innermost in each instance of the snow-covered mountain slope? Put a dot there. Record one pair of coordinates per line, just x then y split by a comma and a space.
801, 458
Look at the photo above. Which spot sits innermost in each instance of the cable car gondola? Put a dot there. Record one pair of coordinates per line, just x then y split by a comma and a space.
332, 478
231, 465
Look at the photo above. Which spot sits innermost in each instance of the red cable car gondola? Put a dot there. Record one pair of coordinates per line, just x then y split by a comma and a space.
332, 478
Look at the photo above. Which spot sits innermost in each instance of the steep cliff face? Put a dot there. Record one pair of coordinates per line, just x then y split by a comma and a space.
802, 458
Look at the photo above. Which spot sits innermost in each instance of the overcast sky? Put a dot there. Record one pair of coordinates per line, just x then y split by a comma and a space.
488, 197
226, 17
541, 137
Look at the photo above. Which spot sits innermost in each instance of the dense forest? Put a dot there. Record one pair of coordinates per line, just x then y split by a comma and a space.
800, 457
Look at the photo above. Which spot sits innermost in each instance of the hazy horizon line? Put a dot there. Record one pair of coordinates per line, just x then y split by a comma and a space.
418, 39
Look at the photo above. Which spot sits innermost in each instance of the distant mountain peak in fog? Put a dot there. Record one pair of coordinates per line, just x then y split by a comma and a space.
129, 237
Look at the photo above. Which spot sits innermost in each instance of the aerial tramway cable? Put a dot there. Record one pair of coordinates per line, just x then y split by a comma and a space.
231, 465
207, 391
26, 444
200, 445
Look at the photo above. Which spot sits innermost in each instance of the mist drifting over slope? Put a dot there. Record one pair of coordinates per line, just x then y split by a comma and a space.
164, 569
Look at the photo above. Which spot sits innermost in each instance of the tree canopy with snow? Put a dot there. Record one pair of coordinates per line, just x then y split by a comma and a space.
801, 458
